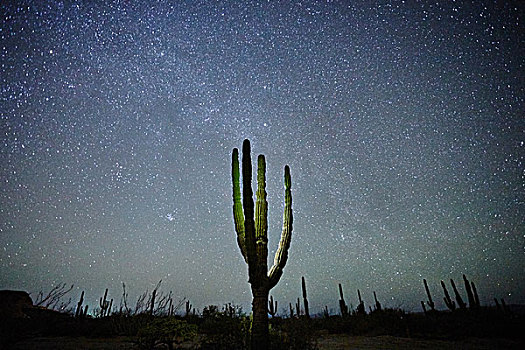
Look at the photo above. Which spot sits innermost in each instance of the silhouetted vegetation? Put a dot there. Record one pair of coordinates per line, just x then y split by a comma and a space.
155, 321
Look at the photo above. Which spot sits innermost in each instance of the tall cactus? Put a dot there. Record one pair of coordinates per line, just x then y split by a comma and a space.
448, 301
429, 302
342, 304
459, 300
470, 295
252, 236
305, 299
378, 304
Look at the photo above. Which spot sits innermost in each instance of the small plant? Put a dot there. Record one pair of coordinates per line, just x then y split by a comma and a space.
166, 330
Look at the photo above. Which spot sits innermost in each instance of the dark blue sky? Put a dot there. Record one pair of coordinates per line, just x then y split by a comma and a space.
402, 122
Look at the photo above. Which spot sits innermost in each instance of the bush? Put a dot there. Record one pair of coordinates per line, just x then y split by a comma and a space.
165, 330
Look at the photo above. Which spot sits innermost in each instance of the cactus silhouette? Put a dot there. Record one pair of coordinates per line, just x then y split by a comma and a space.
361, 306
475, 292
472, 304
79, 311
105, 305
305, 299
429, 302
342, 304
448, 301
459, 300
252, 236
378, 304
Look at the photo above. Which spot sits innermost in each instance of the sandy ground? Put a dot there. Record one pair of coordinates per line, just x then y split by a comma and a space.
325, 342
340, 342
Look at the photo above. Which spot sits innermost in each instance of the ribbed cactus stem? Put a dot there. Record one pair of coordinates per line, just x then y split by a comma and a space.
272, 307
251, 226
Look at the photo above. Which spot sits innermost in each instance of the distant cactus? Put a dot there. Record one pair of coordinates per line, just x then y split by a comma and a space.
252, 236
79, 311
378, 304
459, 300
188, 308
272, 307
342, 304
423, 307
326, 314
105, 305
298, 307
476, 297
291, 311
448, 301
305, 299
470, 295
361, 306
429, 302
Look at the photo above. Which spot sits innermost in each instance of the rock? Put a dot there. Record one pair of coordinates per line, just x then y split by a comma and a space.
13, 304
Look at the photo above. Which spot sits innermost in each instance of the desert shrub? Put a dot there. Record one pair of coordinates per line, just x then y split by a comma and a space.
225, 329
165, 330
293, 334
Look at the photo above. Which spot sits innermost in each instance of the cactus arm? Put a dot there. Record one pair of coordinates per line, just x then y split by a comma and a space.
281, 256
238, 215
247, 198
261, 222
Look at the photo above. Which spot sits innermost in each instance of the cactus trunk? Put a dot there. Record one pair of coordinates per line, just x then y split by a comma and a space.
251, 226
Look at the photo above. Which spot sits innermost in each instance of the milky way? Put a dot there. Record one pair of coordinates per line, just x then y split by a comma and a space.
402, 122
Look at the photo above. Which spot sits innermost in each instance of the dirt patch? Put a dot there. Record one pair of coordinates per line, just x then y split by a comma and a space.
343, 342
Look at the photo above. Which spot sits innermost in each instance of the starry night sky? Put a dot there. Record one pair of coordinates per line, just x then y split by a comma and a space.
402, 122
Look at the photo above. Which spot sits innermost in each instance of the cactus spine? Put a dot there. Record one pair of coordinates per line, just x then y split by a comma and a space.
305, 299
429, 302
252, 236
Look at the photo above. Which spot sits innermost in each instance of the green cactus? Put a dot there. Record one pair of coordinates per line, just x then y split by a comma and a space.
252, 237
305, 299
429, 302
448, 301
272, 307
